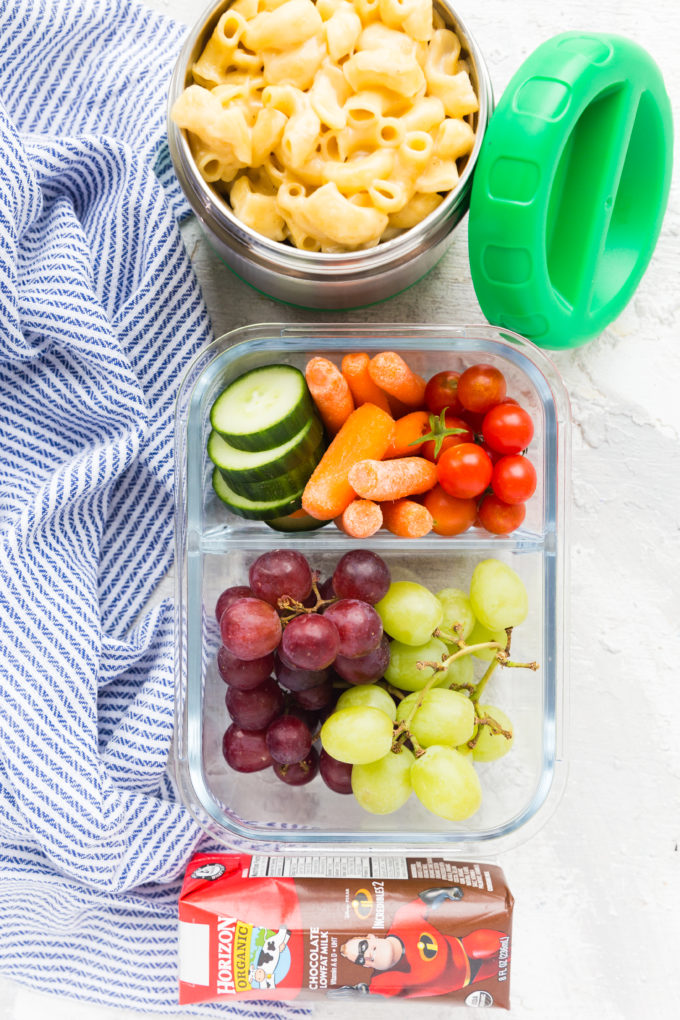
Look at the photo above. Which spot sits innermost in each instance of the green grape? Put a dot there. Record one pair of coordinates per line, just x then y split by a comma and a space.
357, 735
403, 672
459, 672
444, 717
480, 634
497, 595
410, 612
490, 745
406, 704
445, 781
457, 609
464, 750
370, 695
383, 786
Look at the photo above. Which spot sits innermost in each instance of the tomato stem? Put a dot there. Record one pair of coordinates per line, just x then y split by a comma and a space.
438, 432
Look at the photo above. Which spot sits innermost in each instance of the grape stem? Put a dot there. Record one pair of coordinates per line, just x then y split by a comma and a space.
452, 639
295, 608
494, 726
402, 732
403, 729
479, 689
520, 665
441, 667
394, 691
502, 652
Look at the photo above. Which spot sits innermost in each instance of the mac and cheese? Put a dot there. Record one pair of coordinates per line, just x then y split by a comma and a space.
330, 125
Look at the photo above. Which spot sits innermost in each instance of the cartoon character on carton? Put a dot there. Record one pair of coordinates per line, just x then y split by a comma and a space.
415, 959
272, 961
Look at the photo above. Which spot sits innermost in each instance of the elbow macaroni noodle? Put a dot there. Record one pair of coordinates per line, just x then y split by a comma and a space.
330, 125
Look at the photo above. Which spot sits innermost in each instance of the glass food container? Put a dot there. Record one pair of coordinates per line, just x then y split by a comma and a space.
215, 549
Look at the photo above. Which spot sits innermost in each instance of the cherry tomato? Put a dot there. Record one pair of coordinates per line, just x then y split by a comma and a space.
442, 391
507, 428
473, 420
464, 471
450, 516
494, 455
450, 422
513, 479
498, 517
481, 387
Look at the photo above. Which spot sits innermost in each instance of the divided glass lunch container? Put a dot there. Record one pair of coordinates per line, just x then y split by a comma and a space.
215, 550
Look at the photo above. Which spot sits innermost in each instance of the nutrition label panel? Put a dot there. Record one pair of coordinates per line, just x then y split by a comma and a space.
330, 867
448, 871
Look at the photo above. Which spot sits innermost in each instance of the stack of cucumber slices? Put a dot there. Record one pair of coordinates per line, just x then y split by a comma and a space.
265, 442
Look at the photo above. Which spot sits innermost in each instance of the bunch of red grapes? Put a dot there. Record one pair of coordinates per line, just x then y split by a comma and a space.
285, 638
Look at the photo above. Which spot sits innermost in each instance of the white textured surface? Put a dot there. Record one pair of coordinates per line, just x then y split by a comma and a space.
597, 918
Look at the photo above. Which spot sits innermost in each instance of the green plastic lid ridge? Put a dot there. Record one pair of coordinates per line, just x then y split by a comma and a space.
570, 188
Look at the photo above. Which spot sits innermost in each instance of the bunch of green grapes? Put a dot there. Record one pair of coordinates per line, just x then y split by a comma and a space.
424, 727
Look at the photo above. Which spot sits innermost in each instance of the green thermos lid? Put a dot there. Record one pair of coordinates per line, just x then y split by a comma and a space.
570, 188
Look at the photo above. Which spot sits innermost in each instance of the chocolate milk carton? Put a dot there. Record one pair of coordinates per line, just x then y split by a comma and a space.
254, 927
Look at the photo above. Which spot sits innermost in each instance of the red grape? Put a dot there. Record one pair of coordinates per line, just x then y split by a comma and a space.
283, 658
311, 718
300, 772
250, 628
281, 572
365, 668
229, 596
361, 574
326, 589
243, 673
315, 698
310, 641
337, 775
288, 739
245, 750
254, 710
299, 679
358, 625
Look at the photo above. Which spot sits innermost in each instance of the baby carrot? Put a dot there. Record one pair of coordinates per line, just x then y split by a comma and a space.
364, 390
330, 393
406, 518
391, 373
397, 408
365, 434
361, 519
392, 479
407, 433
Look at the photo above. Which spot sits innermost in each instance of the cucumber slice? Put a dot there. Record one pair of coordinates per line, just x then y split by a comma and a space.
265, 490
263, 408
264, 464
253, 510
299, 521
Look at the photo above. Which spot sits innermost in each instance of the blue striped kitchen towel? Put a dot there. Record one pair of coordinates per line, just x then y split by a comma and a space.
100, 312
